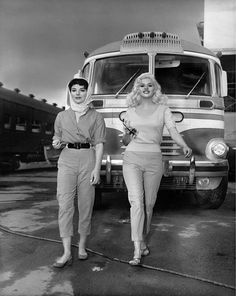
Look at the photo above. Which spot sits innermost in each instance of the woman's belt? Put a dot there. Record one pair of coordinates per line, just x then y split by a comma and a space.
79, 145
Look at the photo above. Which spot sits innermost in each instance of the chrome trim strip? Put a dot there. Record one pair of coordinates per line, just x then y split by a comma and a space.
172, 163
108, 169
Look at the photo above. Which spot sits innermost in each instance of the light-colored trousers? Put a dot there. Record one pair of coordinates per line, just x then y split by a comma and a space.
142, 174
74, 173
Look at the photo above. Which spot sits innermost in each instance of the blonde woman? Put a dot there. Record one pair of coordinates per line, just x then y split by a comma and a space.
147, 114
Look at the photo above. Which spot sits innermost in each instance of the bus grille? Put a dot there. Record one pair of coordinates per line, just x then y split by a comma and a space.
169, 147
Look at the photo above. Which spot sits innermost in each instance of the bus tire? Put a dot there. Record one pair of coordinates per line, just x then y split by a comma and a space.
212, 199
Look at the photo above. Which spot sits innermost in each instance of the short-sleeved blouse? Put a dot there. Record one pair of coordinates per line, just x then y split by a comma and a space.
89, 129
149, 128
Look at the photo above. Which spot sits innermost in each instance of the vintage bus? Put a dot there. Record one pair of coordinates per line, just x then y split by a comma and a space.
192, 78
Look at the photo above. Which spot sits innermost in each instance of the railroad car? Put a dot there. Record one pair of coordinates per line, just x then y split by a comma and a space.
26, 126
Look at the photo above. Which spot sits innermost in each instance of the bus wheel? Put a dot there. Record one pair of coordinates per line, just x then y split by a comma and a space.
212, 199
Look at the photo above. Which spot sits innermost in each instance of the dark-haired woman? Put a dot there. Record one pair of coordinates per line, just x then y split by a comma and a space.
80, 133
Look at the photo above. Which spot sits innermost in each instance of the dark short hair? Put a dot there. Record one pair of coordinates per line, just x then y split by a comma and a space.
80, 81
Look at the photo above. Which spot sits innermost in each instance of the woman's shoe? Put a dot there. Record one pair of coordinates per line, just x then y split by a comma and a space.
68, 262
83, 256
135, 261
145, 251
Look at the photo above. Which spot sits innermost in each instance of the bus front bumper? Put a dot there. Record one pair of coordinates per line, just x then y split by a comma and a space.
186, 174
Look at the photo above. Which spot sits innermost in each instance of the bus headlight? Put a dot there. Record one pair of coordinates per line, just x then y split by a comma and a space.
219, 149
216, 149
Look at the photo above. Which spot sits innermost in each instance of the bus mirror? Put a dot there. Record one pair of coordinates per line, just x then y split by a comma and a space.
224, 88
166, 63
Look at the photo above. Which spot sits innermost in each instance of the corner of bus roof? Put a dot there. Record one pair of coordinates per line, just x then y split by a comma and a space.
109, 47
194, 47
187, 46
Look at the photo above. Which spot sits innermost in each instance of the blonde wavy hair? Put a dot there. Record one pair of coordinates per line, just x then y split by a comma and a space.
134, 99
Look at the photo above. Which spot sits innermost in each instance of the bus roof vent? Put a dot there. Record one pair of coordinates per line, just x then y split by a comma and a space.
151, 42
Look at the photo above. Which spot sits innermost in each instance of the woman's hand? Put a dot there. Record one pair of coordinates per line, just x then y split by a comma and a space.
187, 151
56, 144
126, 139
95, 177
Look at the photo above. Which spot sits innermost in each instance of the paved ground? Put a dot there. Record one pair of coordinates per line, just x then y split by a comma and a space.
192, 250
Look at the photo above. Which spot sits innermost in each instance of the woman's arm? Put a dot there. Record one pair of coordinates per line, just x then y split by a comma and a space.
56, 140
180, 141
95, 175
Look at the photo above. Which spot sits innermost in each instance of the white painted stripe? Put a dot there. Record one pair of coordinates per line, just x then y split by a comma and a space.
200, 111
191, 123
202, 123
187, 124
111, 110
193, 111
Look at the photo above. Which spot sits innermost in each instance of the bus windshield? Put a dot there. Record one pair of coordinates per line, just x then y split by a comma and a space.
176, 74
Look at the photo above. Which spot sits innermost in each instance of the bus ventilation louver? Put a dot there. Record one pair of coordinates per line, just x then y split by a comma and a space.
151, 41
169, 147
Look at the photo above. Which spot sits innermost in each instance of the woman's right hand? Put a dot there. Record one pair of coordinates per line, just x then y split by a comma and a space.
187, 151
126, 139
130, 130
56, 144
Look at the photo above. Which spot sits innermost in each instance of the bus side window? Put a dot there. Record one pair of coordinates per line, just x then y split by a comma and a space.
217, 79
86, 71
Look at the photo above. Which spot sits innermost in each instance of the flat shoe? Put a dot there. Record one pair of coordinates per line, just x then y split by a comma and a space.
68, 262
145, 252
135, 261
83, 256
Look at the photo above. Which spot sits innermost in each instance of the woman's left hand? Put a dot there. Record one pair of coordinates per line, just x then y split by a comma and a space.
187, 151
95, 177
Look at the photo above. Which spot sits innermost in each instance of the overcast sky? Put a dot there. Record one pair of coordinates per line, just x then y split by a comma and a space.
42, 41
220, 28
